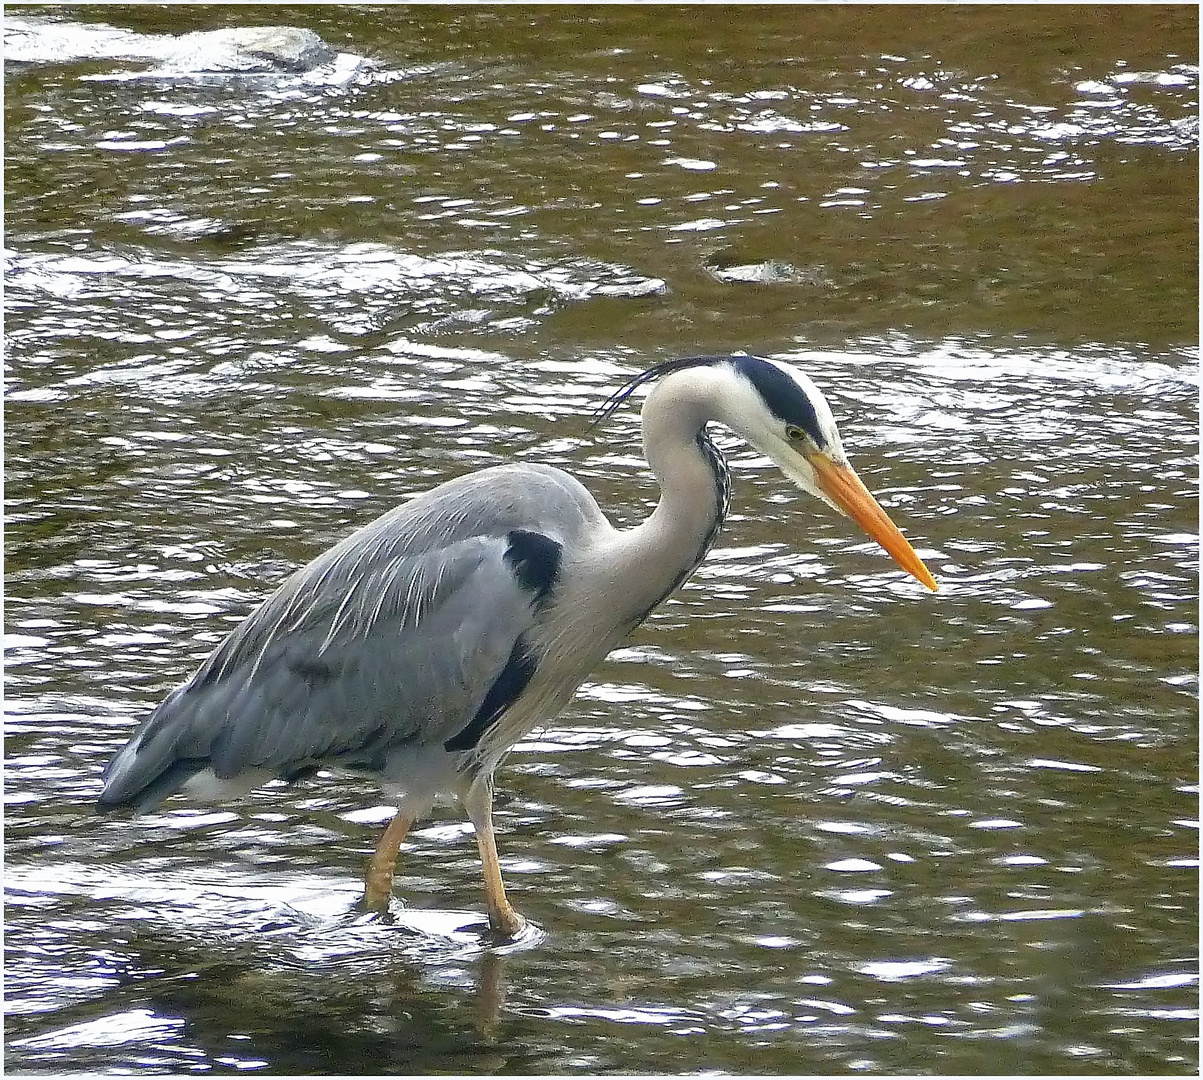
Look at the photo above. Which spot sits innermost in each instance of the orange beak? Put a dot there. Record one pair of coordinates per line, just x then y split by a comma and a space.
844, 488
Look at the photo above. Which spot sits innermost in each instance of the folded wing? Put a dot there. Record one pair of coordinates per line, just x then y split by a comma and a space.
364, 650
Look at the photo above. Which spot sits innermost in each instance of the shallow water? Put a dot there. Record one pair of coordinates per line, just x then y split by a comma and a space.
809, 819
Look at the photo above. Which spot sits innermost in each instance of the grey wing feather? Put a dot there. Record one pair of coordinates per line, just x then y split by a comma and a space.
406, 651
395, 634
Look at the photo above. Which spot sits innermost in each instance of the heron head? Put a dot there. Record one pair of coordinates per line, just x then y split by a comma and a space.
781, 413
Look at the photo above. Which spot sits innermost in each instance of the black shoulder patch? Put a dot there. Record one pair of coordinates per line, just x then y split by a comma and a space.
784, 397
535, 560
506, 689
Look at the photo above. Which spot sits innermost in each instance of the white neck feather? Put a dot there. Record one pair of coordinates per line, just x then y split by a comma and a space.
645, 563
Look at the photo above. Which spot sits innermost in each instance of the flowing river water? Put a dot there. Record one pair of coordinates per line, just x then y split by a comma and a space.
809, 818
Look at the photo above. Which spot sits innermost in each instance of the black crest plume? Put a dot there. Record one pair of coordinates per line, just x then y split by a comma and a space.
615, 401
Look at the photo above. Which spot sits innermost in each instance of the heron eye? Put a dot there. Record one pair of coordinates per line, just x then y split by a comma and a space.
794, 433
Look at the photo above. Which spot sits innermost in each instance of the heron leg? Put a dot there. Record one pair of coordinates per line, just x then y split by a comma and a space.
378, 880
503, 919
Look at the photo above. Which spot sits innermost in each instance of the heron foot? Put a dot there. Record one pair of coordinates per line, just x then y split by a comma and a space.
376, 900
506, 924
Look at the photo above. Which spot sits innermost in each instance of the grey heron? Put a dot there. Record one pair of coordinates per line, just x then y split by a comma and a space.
422, 647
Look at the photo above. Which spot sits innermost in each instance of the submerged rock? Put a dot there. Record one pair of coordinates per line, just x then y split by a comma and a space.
249, 49
243, 50
770, 272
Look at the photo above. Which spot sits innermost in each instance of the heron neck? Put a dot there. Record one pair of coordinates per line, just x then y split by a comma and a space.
694, 490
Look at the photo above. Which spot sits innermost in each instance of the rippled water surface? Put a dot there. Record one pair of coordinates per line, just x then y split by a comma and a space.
809, 818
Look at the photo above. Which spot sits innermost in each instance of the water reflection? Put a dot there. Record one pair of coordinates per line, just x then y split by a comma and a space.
190, 950
201, 1015
805, 821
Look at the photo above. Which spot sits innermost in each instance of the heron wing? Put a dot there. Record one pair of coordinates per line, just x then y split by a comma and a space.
410, 629
360, 651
